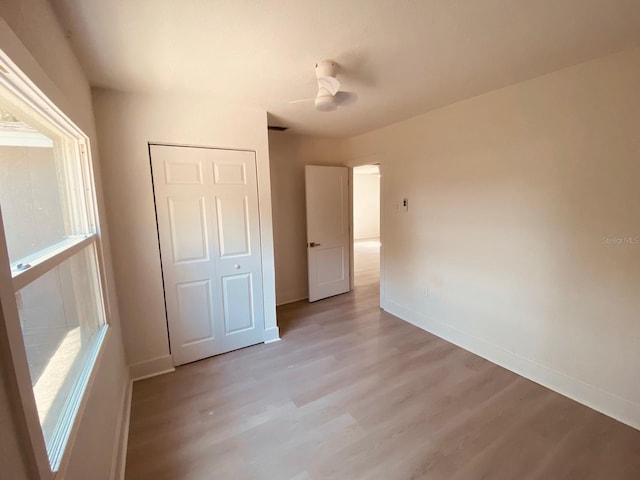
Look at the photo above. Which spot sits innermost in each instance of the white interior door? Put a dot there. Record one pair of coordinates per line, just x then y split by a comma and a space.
208, 226
327, 193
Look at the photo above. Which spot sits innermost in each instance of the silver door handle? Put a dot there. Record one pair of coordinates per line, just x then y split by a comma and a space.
314, 244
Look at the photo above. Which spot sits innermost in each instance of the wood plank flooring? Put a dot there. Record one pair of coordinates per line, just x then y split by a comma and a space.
352, 392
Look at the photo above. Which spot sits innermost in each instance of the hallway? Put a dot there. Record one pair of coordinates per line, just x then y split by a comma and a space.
366, 259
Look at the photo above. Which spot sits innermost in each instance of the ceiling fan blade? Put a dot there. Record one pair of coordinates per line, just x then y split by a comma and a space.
344, 99
303, 100
330, 83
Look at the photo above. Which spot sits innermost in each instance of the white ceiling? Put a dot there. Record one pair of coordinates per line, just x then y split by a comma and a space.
402, 57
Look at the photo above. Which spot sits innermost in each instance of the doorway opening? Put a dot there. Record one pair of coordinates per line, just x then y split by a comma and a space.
366, 228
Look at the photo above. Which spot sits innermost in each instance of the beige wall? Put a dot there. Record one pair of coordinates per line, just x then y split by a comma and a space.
34, 40
513, 196
366, 205
288, 155
126, 123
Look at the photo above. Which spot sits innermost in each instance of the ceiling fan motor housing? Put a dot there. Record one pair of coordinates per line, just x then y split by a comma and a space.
325, 102
326, 68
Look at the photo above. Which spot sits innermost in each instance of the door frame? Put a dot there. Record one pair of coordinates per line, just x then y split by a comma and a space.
372, 159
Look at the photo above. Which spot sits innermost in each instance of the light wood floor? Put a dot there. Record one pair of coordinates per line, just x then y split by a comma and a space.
366, 261
354, 393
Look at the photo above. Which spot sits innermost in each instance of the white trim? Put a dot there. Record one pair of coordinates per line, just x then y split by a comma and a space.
352, 229
151, 368
605, 402
370, 238
383, 235
206, 147
15, 80
14, 358
271, 335
118, 464
49, 259
155, 374
294, 300
75, 405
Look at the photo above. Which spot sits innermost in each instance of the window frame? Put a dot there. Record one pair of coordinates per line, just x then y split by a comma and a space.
47, 465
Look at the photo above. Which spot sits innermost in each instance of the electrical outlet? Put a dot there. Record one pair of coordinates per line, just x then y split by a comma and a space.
405, 205
426, 292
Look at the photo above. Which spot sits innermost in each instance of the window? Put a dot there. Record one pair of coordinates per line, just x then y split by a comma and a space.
49, 232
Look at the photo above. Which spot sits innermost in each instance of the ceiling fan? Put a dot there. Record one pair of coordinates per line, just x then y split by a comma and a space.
329, 96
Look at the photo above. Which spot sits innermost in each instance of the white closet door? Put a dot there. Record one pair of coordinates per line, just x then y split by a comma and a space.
208, 225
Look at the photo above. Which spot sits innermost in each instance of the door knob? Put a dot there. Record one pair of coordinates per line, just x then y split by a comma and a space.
314, 244
236, 266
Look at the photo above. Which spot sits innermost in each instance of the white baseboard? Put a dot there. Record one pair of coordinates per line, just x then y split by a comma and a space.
271, 335
295, 297
122, 434
151, 368
625, 411
293, 300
